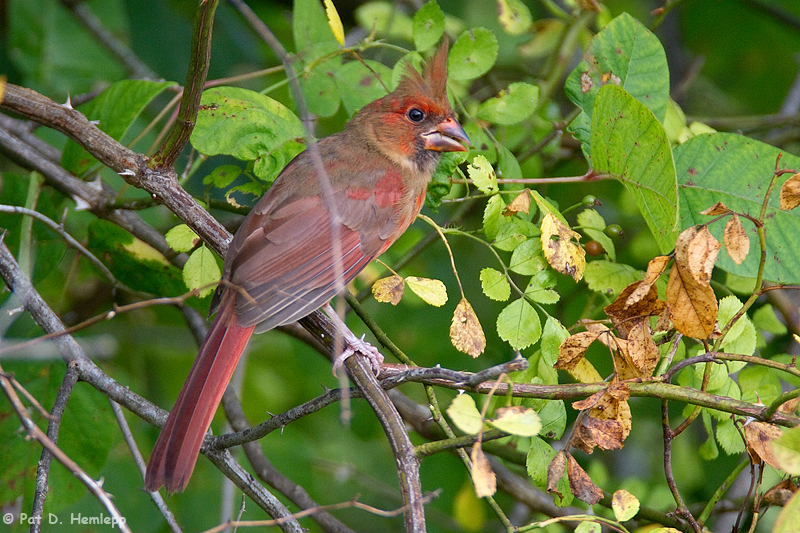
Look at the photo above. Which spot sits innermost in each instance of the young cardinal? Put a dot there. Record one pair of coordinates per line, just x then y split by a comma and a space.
282, 264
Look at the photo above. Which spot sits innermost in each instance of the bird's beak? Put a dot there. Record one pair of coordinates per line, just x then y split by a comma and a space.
447, 137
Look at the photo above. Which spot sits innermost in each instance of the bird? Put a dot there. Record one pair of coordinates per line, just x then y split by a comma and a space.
310, 234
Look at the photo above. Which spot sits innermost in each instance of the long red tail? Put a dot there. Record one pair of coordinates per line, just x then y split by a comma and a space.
178, 445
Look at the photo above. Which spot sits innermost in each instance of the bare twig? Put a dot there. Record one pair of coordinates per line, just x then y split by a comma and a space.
140, 464
33, 430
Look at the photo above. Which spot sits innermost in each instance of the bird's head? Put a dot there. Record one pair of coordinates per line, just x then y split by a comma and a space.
415, 122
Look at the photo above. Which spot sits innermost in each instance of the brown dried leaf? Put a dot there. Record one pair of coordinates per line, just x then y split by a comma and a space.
555, 471
573, 349
663, 323
483, 476
581, 484
717, 209
790, 406
736, 240
623, 315
607, 434
389, 289
696, 251
781, 493
466, 332
642, 350
655, 268
758, 436
692, 305
520, 204
583, 439
609, 408
563, 254
790, 193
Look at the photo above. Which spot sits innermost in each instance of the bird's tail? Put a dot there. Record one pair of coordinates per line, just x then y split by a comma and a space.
178, 445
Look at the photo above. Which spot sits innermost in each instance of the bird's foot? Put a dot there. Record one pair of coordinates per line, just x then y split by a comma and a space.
353, 344
364, 348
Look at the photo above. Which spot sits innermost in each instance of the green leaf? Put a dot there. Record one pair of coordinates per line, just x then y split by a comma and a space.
734, 170
729, 438
708, 450
432, 291
313, 37
552, 337
610, 278
593, 225
623, 53
528, 258
248, 126
786, 450
539, 456
222, 176
133, 262
554, 419
513, 233
540, 287
759, 384
201, 269
359, 85
495, 285
440, 184
588, 527
472, 55
182, 238
507, 165
481, 143
386, 19
464, 414
54, 53
741, 338
320, 89
629, 142
493, 217
482, 175
513, 105
517, 420
519, 325
114, 110
765, 318
428, 26
515, 17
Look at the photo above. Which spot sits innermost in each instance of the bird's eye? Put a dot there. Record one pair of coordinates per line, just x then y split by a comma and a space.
415, 115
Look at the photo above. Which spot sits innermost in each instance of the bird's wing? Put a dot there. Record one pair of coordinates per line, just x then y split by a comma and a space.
286, 264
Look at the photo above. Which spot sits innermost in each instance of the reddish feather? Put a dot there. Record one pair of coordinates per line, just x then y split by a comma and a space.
282, 265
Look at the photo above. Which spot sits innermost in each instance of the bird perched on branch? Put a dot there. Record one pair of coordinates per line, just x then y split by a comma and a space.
327, 215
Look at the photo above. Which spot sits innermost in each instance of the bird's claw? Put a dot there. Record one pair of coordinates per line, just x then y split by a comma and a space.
364, 348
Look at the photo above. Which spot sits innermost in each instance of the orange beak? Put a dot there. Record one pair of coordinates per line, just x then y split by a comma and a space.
447, 137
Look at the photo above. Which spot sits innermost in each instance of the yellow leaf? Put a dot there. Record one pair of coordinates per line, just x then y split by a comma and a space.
625, 505
585, 372
466, 332
655, 268
517, 420
2, 87
432, 291
563, 254
482, 475
334, 21
389, 289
